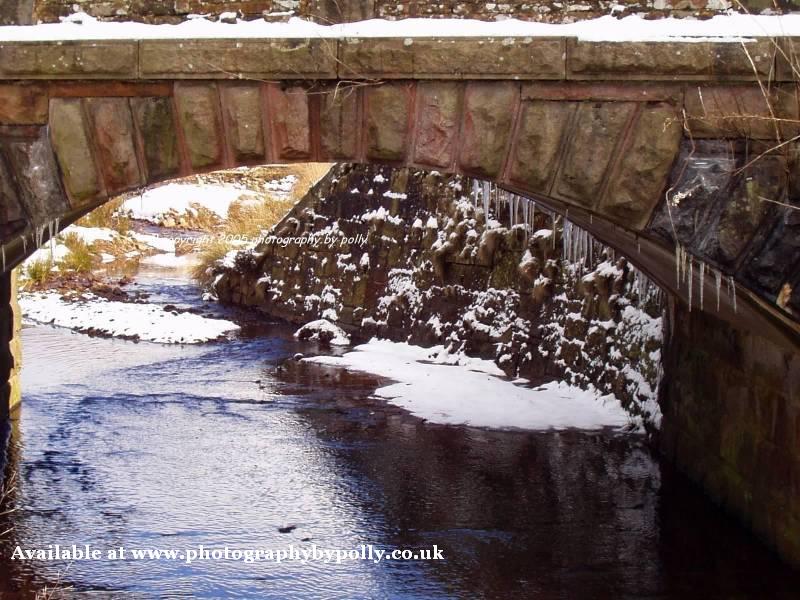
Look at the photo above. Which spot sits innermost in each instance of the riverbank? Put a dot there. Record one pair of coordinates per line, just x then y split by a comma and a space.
85, 278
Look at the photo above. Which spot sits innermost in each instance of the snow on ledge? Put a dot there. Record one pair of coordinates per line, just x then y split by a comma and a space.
732, 27
146, 322
473, 394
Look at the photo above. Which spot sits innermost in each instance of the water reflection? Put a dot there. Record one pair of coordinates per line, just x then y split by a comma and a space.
143, 445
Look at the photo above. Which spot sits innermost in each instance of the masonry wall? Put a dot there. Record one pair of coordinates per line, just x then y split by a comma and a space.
10, 344
432, 270
335, 11
731, 405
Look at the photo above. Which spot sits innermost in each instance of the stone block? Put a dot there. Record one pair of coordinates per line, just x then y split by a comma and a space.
739, 214
453, 58
155, 122
72, 145
36, 176
387, 121
291, 129
339, 123
641, 174
438, 108
597, 132
543, 126
741, 111
236, 59
200, 120
243, 115
114, 139
23, 105
69, 60
10, 206
486, 130
679, 61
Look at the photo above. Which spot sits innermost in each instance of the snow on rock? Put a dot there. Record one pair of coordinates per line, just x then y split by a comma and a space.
146, 322
180, 198
323, 331
475, 395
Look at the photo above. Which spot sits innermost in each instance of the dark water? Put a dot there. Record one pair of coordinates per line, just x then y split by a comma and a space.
142, 445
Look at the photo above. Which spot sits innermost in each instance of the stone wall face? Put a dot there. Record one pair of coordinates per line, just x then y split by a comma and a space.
10, 344
337, 11
731, 404
16, 12
432, 271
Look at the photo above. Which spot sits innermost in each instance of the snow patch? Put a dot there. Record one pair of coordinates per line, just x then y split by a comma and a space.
147, 322
454, 395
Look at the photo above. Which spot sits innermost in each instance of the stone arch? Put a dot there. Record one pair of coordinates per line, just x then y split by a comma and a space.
601, 155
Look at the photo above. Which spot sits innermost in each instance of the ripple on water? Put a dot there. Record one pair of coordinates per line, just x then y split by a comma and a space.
145, 445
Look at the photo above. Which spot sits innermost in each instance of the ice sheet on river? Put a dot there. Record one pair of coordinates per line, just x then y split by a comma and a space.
473, 393
146, 322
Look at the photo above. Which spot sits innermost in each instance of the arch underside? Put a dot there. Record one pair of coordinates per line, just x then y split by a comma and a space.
606, 156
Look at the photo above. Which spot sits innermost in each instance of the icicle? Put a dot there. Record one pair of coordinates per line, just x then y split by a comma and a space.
554, 230
24, 244
718, 283
585, 252
52, 239
702, 282
533, 215
526, 206
732, 288
690, 283
3, 247
39, 235
678, 264
475, 193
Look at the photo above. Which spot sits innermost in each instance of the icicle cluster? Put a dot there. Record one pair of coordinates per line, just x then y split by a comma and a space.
52, 228
519, 210
578, 246
684, 273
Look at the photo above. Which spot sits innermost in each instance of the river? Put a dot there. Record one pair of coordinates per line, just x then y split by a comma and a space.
163, 446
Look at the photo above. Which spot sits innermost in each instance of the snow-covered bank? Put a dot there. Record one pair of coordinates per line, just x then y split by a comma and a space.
146, 322
473, 394
730, 27
154, 204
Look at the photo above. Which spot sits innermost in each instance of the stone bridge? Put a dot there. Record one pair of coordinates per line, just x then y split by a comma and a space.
670, 152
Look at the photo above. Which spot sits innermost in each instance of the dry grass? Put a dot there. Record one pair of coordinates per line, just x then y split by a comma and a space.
207, 257
249, 220
37, 272
80, 258
105, 216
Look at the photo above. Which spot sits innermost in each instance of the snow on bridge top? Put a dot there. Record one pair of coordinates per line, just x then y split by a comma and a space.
725, 48
722, 28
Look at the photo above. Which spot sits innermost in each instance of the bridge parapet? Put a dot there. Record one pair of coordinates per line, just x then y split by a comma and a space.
512, 57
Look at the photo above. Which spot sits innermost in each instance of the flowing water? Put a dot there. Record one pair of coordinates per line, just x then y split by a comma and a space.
169, 447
